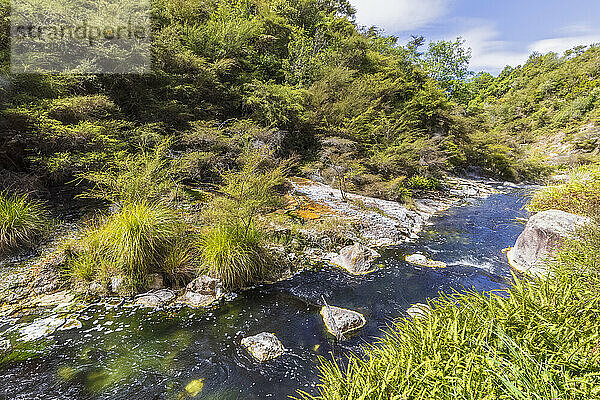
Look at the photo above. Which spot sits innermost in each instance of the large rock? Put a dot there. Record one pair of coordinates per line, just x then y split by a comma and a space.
340, 321
356, 259
264, 346
542, 235
47, 326
158, 298
202, 292
420, 259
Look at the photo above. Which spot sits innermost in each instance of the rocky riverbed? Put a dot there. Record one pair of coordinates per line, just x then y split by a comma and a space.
108, 349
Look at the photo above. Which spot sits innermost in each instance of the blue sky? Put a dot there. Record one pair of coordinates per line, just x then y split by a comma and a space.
499, 32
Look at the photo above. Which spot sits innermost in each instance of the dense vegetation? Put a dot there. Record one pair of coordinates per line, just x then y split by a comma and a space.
537, 340
241, 94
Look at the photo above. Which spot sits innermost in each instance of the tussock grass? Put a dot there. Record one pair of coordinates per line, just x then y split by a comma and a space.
235, 255
22, 220
579, 195
538, 340
138, 240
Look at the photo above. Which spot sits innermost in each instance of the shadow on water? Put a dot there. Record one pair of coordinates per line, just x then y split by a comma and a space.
125, 353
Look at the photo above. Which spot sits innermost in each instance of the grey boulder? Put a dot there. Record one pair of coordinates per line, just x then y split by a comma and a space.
543, 233
158, 298
202, 292
356, 259
264, 346
340, 321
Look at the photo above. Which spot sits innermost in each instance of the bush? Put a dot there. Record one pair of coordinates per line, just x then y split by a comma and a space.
71, 110
579, 195
537, 341
22, 220
235, 255
134, 242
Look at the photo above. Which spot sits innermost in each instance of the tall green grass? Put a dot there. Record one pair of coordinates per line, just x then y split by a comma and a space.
22, 220
235, 255
579, 195
538, 340
136, 241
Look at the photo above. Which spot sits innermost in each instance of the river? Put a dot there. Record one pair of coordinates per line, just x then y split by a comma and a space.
128, 353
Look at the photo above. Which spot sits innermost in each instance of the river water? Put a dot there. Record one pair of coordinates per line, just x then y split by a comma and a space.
127, 353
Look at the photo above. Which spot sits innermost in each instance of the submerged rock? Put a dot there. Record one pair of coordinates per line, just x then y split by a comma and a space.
542, 235
340, 321
264, 346
418, 310
155, 299
70, 323
202, 292
194, 388
356, 259
40, 328
420, 259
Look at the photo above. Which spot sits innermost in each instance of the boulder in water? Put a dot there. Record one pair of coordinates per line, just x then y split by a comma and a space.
542, 235
264, 346
356, 259
420, 259
340, 321
155, 299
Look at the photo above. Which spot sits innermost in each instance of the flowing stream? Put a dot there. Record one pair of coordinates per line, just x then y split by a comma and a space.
128, 353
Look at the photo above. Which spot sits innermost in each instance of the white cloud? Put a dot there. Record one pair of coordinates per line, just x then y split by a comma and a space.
561, 44
492, 55
399, 15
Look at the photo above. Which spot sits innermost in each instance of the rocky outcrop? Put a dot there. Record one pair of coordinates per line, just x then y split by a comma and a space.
158, 298
356, 259
542, 235
340, 321
202, 292
264, 346
421, 260
381, 222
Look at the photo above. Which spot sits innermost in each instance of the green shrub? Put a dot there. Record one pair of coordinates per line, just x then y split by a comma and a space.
235, 255
419, 182
579, 195
137, 240
71, 110
22, 220
539, 340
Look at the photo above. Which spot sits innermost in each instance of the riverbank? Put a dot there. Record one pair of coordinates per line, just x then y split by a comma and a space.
536, 339
114, 353
37, 281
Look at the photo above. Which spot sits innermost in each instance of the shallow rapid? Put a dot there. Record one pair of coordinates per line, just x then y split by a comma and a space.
127, 353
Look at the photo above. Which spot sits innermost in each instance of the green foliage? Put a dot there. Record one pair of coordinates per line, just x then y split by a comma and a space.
580, 194
71, 110
22, 220
234, 254
537, 341
137, 240
135, 178
247, 192
419, 182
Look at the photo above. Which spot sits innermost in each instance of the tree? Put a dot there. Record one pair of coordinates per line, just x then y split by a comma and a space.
448, 62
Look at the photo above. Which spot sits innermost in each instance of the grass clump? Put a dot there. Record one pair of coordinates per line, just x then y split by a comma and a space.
579, 195
138, 240
233, 248
22, 221
539, 340
235, 255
